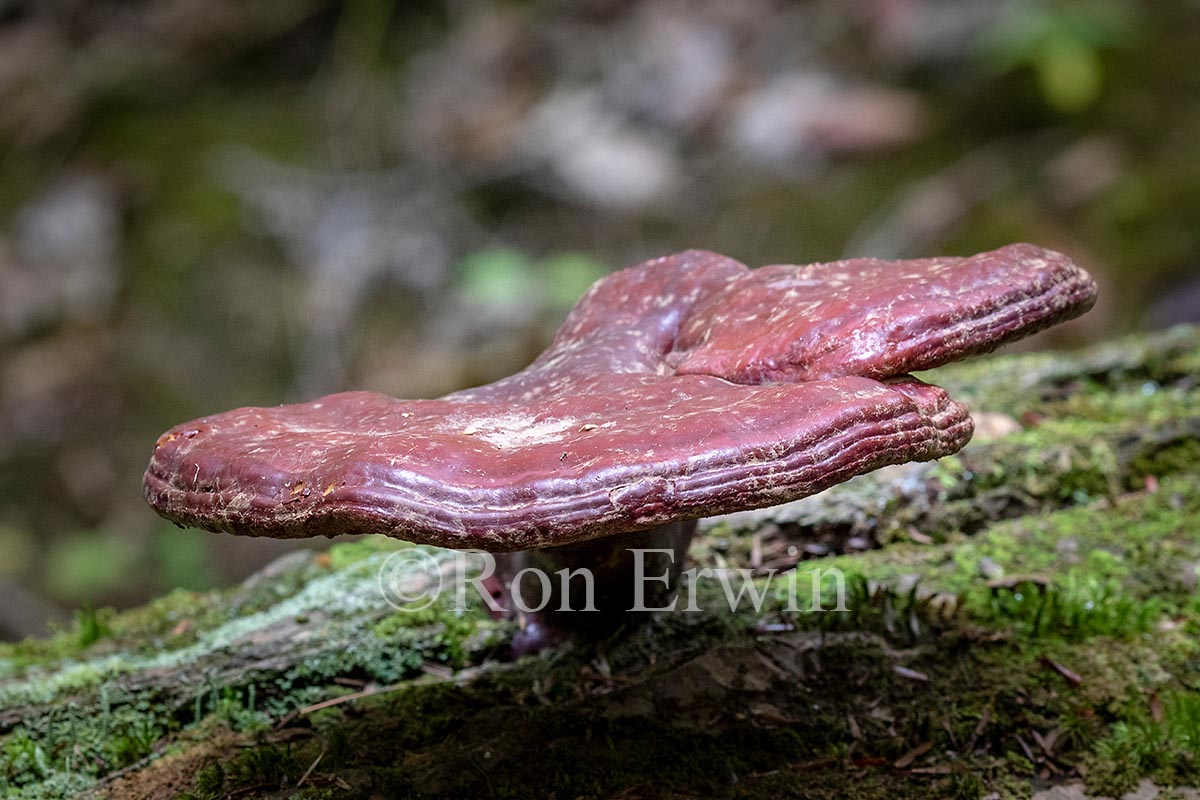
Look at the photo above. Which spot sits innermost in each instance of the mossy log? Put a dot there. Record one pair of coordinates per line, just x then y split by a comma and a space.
1020, 616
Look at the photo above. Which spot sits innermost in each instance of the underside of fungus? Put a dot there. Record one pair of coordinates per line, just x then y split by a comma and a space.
682, 387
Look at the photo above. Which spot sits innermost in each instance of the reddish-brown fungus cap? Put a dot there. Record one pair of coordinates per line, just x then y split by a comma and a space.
679, 388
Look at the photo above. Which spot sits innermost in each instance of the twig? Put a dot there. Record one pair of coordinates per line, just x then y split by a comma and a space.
245, 790
912, 755
159, 747
911, 674
309, 771
983, 722
1071, 677
371, 692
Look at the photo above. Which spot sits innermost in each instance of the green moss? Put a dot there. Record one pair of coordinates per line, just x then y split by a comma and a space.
1059, 597
1077, 606
1036, 383
172, 621
1167, 748
74, 740
1087, 449
210, 782
91, 722
1139, 542
1176, 455
442, 633
393, 743
343, 554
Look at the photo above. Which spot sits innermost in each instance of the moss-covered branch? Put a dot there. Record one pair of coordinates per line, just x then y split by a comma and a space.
1030, 617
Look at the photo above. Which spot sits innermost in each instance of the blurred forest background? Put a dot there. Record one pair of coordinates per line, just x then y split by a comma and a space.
214, 203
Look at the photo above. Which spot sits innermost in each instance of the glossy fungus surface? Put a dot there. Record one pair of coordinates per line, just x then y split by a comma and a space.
683, 387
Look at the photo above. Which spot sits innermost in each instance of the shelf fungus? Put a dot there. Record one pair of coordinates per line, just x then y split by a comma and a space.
680, 388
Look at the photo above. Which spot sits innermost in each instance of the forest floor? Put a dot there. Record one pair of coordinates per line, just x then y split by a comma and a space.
1021, 618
